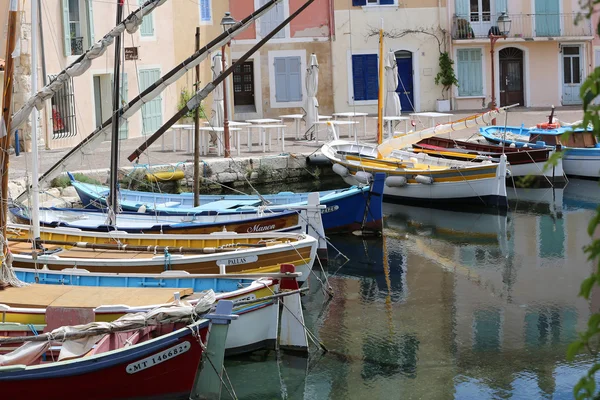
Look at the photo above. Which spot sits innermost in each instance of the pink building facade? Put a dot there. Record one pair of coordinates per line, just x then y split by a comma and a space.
272, 81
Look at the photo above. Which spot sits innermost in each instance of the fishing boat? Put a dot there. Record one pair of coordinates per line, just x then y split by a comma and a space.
581, 150
155, 355
420, 179
118, 252
345, 209
522, 162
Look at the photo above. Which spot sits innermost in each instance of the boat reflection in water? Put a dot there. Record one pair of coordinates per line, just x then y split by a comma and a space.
457, 305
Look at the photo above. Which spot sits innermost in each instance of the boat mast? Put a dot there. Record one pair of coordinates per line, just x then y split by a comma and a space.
9, 70
113, 200
381, 87
196, 184
35, 186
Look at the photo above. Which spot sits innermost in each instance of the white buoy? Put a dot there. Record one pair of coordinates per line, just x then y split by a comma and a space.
364, 177
426, 180
340, 170
395, 181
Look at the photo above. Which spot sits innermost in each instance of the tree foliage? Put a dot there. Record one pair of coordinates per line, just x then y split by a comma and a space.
589, 340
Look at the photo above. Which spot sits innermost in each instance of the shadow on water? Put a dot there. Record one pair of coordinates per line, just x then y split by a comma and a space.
446, 305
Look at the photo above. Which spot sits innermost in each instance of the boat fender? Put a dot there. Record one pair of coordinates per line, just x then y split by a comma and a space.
395, 181
426, 180
512, 145
525, 146
142, 209
540, 143
364, 177
340, 170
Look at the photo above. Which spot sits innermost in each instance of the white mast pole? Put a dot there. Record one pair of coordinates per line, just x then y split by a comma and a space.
35, 188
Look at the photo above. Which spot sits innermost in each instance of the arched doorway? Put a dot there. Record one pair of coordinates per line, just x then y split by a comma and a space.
404, 61
511, 76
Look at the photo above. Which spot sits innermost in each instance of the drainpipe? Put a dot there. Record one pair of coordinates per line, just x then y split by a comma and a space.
331, 20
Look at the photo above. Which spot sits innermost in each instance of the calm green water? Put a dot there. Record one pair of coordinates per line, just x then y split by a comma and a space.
446, 305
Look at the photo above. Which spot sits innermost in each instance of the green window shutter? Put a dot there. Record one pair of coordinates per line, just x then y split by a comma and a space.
470, 74
66, 28
147, 28
90, 22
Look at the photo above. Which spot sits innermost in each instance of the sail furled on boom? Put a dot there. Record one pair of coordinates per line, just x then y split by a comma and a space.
103, 132
399, 142
83, 62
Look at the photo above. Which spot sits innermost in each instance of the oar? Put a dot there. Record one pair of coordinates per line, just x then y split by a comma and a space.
153, 249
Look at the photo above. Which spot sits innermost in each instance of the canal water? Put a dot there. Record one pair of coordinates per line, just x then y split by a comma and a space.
445, 305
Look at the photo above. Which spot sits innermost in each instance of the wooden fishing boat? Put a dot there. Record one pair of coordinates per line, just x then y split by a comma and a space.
581, 150
159, 360
118, 252
345, 209
420, 179
521, 161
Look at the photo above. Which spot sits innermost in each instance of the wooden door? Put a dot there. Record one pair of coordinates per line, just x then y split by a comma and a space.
405, 81
243, 84
511, 77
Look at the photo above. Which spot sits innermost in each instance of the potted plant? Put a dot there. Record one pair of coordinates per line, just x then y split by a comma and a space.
446, 78
188, 118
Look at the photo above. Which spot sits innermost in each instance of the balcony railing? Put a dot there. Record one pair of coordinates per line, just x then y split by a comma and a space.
526, 26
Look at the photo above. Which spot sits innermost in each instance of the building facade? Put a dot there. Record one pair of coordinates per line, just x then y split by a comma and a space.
69, 28
542, 62
414, 31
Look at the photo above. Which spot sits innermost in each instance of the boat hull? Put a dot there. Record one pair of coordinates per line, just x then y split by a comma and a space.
583, 162
110, 376
345, 209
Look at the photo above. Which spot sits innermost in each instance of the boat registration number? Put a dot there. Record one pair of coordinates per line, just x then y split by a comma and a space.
158, 358
329, 209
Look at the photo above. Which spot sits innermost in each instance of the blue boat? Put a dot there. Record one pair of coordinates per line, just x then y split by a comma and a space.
346, 209
581, 149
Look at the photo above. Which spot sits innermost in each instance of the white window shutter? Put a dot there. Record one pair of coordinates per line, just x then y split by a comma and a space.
294, 79
66, 28
281, 80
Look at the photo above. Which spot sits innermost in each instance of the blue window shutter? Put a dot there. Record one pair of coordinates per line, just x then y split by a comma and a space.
90, 22
205, 11
462, 8
501, 7
281, 80
358, 77
371, 77
147, 28
66, 28
294, 79
359, 2
386, 2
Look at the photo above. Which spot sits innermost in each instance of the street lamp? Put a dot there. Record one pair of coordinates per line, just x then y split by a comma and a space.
226, 22
501, 30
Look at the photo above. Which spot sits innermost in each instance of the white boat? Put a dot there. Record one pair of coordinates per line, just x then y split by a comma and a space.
420, 179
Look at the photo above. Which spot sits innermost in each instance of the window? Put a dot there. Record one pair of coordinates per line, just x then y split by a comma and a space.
365, 79
78, 26
272, 19
63, 111
205, 11
288, 79
470, 79
480, 10
147, 28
